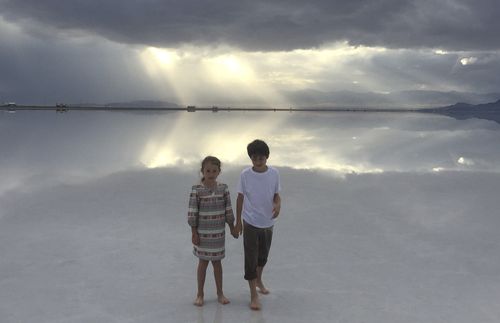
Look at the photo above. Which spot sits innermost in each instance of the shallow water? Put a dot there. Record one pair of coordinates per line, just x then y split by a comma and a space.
86, 143
385, 217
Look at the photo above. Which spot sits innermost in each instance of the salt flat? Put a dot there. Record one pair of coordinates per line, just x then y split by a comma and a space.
90, 232
366, 248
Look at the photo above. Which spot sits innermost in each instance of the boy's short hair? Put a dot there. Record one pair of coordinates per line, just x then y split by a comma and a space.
258, 147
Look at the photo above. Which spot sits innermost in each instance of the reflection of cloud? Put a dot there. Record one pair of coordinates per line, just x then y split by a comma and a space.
86, 145
465, 161
468, 60
335, 142
440, 52
157, 155
196, 135
299, 149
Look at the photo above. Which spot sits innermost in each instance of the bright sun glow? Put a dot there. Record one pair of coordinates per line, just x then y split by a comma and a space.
164, 56
227, 69
195, 74
232, 64
163, 67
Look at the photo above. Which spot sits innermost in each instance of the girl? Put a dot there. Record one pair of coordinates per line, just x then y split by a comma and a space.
209, 210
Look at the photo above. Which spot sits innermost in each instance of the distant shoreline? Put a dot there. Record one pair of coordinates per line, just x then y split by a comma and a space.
458, 111
67, 108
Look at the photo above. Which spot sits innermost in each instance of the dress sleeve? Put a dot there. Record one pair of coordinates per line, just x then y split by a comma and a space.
229, 208
193, 208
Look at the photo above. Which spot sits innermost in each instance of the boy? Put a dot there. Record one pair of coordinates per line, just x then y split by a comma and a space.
260, 202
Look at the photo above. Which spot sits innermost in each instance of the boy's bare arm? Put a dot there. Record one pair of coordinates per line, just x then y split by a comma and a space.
239, 208
276, 205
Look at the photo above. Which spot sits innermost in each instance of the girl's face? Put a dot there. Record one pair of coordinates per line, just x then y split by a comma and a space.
210, 172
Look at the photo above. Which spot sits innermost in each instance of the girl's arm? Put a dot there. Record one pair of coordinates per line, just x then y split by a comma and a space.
228, 207
193, 215
229, 212
195, 238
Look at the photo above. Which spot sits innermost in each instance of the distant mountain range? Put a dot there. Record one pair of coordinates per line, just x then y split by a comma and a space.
421, 101
334, 99
462, 111
400, 99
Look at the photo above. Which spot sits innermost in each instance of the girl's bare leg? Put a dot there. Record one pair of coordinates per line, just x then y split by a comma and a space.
259, 283
201, 274
218, 282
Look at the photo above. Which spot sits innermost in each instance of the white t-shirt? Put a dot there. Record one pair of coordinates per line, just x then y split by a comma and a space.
258, 190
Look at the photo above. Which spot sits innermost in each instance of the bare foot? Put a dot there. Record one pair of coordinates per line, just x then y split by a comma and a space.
223, 300
262, 289
198, 301
255, 304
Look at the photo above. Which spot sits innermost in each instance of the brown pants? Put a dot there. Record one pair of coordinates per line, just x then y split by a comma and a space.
256, 243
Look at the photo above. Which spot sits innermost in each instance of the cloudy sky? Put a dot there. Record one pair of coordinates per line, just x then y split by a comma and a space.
250, 52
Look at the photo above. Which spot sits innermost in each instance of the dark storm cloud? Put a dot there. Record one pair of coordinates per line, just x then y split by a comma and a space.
51, 70
273, 25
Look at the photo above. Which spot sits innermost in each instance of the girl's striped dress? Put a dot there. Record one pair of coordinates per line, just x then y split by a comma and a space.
209, 210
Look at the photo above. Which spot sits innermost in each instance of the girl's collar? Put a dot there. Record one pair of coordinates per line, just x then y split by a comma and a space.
210, 186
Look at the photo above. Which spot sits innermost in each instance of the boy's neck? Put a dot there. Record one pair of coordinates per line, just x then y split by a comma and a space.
261, 169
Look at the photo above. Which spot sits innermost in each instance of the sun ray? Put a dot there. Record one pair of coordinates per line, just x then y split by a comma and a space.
161, 66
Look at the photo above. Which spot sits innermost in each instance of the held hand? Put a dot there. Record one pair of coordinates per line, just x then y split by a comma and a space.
195, 238
238, 228
234, 233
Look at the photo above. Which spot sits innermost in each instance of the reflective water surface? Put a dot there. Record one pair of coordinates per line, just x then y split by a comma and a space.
86, 143
386, 217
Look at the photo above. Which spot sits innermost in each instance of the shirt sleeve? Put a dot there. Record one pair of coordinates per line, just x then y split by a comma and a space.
193, 208
229, 208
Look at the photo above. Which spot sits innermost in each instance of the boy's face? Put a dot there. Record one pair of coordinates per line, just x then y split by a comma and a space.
259, 161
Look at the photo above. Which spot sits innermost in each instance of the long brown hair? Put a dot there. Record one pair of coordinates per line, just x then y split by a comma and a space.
209, 160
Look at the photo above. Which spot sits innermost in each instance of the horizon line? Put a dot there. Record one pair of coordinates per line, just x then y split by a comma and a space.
192, 108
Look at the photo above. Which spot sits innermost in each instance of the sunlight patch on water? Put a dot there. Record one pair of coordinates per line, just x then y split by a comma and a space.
300, 149
194, 136
465, 161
